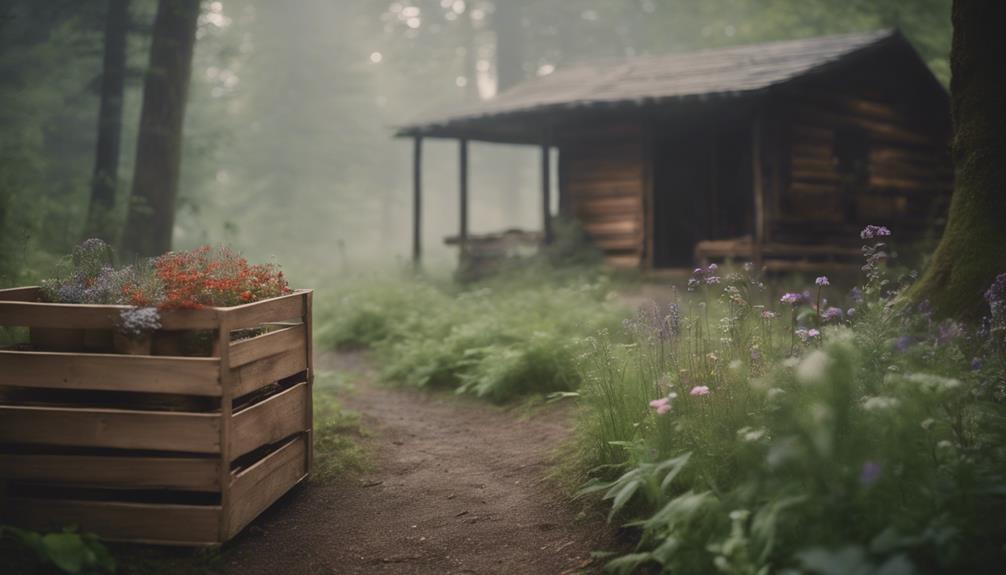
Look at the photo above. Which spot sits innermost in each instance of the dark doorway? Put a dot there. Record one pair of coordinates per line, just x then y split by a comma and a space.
701, 191
681, 177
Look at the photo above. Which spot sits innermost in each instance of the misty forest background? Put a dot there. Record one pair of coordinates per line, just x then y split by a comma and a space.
288, 150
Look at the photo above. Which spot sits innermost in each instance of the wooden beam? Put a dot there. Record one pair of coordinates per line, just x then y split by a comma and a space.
546, 193
417, 200
463, 193
757, 186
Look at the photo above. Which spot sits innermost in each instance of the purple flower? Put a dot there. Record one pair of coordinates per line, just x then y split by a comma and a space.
997, 291
791, 298
902, 343
822, 281
870, 232
870, 473
851, 312
856, 295
712, 268
812, 333
832, 314
699, 390
948, 331
139, 321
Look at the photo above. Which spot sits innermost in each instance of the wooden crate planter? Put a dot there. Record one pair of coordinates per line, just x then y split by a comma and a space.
148, 448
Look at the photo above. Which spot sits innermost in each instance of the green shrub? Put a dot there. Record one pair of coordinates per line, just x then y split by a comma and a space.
496, 339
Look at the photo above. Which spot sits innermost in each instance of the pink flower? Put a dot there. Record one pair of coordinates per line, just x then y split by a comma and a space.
699, 390
662, 405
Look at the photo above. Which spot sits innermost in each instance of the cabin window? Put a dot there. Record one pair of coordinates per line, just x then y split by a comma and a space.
852, 162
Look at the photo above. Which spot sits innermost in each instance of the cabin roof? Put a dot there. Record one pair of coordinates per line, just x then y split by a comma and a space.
653, 80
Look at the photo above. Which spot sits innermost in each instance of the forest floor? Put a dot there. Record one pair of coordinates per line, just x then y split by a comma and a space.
454, 486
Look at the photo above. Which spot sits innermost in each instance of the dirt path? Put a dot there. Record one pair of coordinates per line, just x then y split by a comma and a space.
458, 487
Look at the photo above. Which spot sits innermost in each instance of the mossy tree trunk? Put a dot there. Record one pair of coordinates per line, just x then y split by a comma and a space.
973, 248
151, 216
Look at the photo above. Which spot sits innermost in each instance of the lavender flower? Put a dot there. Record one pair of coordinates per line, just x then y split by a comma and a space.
791, 298
870, 473
871, 232
135, 322
856, 295
996, 294
832, 314
903, 343
822, 281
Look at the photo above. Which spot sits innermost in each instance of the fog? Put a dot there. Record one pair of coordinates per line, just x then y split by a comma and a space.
288, 145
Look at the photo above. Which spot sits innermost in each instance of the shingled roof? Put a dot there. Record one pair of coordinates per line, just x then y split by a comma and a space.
649, 80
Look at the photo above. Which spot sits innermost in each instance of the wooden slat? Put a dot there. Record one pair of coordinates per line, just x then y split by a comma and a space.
115, 428
259, 486
252, 376
270, 421
181, 375
115, 521
265, 345
125, 472
30, 293
84, 316
267, 311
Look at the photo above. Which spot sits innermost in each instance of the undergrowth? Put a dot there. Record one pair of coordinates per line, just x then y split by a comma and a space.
496, 339
818, 432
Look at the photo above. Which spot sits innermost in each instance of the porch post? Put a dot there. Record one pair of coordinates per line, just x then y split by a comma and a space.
758, 187
463, 190
546, 193
417, 200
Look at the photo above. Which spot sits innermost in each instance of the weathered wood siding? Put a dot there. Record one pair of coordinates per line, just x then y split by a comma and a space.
901, 174
603, 180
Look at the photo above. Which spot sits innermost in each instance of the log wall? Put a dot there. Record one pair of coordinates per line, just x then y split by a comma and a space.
904, 181
603, 180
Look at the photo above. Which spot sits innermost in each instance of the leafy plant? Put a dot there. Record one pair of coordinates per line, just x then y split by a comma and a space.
68, 550
799, 439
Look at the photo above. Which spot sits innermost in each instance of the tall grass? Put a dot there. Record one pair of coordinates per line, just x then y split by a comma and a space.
496, 339
747, 436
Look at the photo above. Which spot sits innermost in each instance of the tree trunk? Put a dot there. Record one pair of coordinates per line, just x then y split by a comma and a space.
159, 145
510, 40
106, 163
507, 23
973, 248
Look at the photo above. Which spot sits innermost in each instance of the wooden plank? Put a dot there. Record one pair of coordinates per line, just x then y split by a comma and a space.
116, 521
277, 309
114, 428
151, 374
113, 472
84, 316
259, 486
275, 342
223, 337
30, 293
309, 412
253, 376
270, 421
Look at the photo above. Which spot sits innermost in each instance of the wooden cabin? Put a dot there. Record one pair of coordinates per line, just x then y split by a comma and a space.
777, 152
